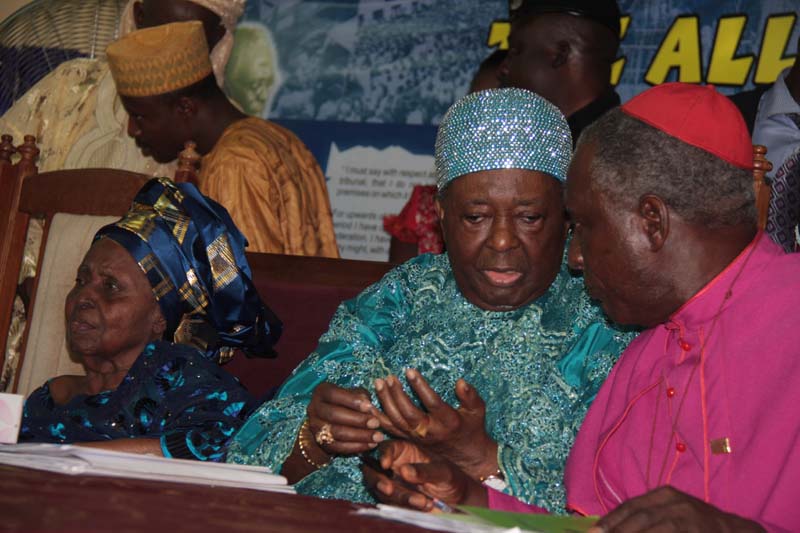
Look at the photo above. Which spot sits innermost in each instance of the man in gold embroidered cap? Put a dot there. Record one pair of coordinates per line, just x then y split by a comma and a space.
262, 173
75, 112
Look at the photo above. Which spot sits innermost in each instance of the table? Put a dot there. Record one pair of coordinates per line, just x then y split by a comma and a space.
33, 500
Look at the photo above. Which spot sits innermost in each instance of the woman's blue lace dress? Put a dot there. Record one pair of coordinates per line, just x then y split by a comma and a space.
172, 392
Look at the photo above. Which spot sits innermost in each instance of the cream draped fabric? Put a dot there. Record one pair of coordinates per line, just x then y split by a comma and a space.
78, 121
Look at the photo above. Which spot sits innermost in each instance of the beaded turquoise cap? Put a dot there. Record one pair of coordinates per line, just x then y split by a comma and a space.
502, 128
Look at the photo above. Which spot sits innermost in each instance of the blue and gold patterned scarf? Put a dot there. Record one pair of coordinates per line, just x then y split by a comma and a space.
193, 256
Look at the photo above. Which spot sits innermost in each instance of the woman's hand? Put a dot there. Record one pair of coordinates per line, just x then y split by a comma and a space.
345, 417
419, 478
457, 435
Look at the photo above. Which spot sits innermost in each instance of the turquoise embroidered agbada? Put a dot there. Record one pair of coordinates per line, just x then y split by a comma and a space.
537, 367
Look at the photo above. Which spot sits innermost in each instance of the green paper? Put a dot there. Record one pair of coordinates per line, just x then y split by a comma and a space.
543, 523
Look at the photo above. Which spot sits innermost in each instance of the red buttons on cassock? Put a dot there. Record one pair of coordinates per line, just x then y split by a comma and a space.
670, 392
685, 346
681, 447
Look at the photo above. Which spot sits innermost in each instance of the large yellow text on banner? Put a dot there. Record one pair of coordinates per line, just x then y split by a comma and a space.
680, 50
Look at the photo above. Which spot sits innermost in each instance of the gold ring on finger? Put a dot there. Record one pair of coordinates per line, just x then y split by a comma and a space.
324, 435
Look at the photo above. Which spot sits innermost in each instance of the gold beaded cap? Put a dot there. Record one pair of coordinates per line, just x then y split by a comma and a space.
160, 59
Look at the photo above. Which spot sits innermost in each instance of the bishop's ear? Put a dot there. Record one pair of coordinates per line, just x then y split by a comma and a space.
654, 219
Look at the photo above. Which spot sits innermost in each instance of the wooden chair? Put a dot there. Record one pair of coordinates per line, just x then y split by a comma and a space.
11, 177
8, 172
84, 200
67, 201
188, 164
761, 186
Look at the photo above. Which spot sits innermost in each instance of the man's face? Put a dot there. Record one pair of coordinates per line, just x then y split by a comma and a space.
155, 126
505, 232
610, 246
529, 64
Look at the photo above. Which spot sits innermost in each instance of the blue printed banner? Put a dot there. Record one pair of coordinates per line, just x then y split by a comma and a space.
406, 61
365, 82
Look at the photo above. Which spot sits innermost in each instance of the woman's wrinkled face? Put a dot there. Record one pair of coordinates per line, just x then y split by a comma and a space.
111, 311
505, 232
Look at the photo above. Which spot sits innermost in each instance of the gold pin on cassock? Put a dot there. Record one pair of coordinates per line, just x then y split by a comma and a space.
720, 446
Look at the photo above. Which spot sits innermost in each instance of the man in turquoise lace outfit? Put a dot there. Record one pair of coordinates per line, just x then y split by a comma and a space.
499, 310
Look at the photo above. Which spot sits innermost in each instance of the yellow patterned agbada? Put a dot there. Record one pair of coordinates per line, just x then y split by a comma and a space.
273, 188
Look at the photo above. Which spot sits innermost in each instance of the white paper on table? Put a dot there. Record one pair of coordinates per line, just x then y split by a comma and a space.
438, 522
76, 460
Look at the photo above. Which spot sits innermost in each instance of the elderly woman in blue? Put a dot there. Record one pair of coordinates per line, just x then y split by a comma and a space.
172, 268
498, 316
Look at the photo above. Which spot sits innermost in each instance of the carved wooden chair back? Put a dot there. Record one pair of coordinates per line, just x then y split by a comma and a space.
761, 186
71, 205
